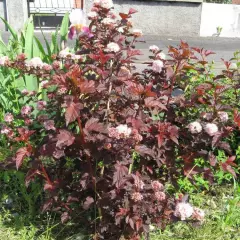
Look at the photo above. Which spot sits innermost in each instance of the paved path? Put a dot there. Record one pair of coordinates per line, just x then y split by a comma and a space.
223, 47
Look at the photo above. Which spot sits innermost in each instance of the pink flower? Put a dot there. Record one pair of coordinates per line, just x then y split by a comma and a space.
24, 92
26, 110
195, 127
56, 65
136, 135
157, 186
211, 129
183, 211
198, 214
86, 32
121, 131
78, 21
104, 3
8, 117
32, 93
113, 47
137, 197
3, 60
5, 130
43, 84
160, 196
137, 33
92, 15
223, 116
138, 183
42, 118
46, 67
161, 55
49, 125
108, 21
157, 66
124, 130
113, 133
154, 48
58, 154
35, 62
62, 90
41, 105
28, 121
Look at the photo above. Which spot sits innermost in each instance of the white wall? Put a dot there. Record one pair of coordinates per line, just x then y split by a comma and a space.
226, 16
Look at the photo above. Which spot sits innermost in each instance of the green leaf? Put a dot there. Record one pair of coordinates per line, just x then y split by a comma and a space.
31, 83
64, 27
28, 47
47, 44
3, 47
54, 43
12, 31
40, 46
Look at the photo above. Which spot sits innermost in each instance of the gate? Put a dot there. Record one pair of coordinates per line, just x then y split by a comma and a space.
49, 13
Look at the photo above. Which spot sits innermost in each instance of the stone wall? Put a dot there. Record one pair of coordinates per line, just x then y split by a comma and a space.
2, 14
168, 18
15, 12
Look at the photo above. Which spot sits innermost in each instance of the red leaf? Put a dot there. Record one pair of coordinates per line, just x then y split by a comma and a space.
48, 186
226, 63
151, 102
138, 224
72, 112
212, 159
64, 138
227, 166
134, 52
94, 125
47, 205
208, 52
144, 150
31, 175
132, 11
121, 171
88, 202
173, 131
65, 217
236, 118
20, 155
134, 88
123, 15
87, 86
149, 92
24, 134
131, 223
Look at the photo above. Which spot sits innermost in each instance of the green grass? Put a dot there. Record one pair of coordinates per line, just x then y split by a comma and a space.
222, 208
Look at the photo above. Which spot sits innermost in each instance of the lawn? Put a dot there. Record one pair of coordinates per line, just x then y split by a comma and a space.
222, 221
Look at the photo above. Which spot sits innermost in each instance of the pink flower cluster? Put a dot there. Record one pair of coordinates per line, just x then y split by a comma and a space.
210, 128
8, 117
103, 3
123, 131
185, 210
157, 66
41, 105
158, 188
137, 197
26, 110
3, 60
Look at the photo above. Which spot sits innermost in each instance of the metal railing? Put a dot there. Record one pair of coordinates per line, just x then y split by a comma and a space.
57, 7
